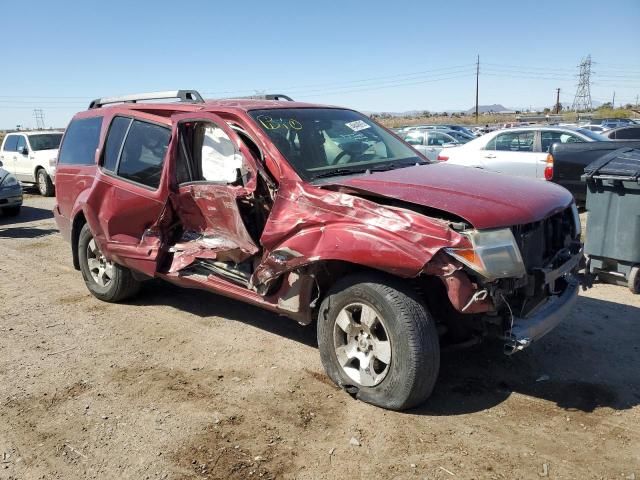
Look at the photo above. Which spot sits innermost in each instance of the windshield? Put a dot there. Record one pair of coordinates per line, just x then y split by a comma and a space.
323, 142
592, 135
45, 141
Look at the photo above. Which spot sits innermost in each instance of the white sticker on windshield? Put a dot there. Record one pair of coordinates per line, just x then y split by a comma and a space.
357, 125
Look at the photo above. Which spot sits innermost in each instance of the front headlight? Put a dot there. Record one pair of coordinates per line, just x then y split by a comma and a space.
9, 181
494, 254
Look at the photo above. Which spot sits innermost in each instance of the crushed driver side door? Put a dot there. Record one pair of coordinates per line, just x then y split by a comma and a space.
213, 173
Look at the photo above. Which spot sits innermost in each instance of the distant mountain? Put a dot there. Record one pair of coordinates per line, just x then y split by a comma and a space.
496, 107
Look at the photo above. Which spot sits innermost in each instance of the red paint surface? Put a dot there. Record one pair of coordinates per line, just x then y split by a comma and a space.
307, 223
484, 199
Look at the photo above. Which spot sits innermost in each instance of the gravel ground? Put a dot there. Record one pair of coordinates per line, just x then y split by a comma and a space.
183, 384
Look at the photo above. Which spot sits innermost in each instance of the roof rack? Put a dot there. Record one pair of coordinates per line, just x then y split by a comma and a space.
269, 96
186, 96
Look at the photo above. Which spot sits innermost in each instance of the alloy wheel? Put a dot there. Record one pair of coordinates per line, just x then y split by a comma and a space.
102, 271
362, 344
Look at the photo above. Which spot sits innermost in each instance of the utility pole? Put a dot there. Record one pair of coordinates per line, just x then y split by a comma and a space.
613, 101
477, 84
556, 110
637, 100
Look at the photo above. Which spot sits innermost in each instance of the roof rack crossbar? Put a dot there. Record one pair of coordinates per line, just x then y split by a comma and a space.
268, 96
186, 96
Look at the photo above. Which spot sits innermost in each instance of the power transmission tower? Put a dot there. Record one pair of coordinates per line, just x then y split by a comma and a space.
582, 100
38, 114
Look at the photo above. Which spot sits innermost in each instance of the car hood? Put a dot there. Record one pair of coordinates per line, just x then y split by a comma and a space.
484, 199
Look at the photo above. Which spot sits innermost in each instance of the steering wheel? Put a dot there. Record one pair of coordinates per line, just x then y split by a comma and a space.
340, 156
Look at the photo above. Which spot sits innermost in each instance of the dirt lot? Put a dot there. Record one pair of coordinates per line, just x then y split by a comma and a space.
185, 384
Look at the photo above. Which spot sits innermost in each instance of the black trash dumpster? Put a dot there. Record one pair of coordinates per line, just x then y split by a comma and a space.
613, 229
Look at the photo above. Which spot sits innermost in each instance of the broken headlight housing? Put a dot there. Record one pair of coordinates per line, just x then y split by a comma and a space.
493, 254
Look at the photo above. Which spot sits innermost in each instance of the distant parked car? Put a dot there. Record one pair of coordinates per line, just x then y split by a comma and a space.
31, 157
594, 128
517, 151
10, 193
624, 133
430, 142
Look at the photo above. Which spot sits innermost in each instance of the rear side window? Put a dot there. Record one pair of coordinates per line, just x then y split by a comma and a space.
513, 142
11, 143
80, 142
628, 134
143, 153
117, 132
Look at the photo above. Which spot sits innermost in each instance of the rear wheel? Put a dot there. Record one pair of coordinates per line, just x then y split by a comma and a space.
378, 341
634, 279
45, 186
106, 280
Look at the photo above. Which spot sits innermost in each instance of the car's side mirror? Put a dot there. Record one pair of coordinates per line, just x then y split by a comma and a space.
24, 151
1, 164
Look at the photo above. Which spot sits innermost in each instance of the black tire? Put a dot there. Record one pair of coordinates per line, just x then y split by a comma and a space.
43, 182
122, 284
11, 211
634, 279
415, 348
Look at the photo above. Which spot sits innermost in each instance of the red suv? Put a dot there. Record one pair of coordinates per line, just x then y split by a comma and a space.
319, 214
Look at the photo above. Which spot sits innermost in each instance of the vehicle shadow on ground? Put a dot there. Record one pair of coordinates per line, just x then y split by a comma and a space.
205, 304
582, 365
25, 232
27, 214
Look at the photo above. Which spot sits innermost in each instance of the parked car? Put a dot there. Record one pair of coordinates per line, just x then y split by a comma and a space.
319, 214
31, 157
569, 160
430, 142
10, 193
516, 151
624, 133
594, 128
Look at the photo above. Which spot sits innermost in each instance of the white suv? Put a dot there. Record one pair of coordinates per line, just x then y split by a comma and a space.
31, 157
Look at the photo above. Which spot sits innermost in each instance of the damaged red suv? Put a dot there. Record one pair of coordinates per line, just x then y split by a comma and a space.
319, 214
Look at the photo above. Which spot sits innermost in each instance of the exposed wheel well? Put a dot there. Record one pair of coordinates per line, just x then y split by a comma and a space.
78, 223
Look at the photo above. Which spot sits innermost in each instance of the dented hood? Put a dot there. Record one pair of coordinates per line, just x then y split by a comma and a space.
484, 199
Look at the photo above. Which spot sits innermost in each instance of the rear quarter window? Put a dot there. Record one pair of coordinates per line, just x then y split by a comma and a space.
80, 142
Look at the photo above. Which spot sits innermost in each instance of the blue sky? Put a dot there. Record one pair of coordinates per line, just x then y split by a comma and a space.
372, 55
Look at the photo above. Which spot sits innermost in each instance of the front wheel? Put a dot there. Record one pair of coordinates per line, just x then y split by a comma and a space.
106, 280
377, 340
45, 186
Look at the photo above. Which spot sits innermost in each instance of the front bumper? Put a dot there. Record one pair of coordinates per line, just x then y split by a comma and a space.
10, 197
526, 330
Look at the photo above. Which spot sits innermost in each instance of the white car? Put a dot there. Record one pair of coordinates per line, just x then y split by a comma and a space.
31, 157
516, 151
430, 142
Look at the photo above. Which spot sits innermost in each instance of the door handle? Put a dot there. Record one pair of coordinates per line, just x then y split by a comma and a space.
490, 156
